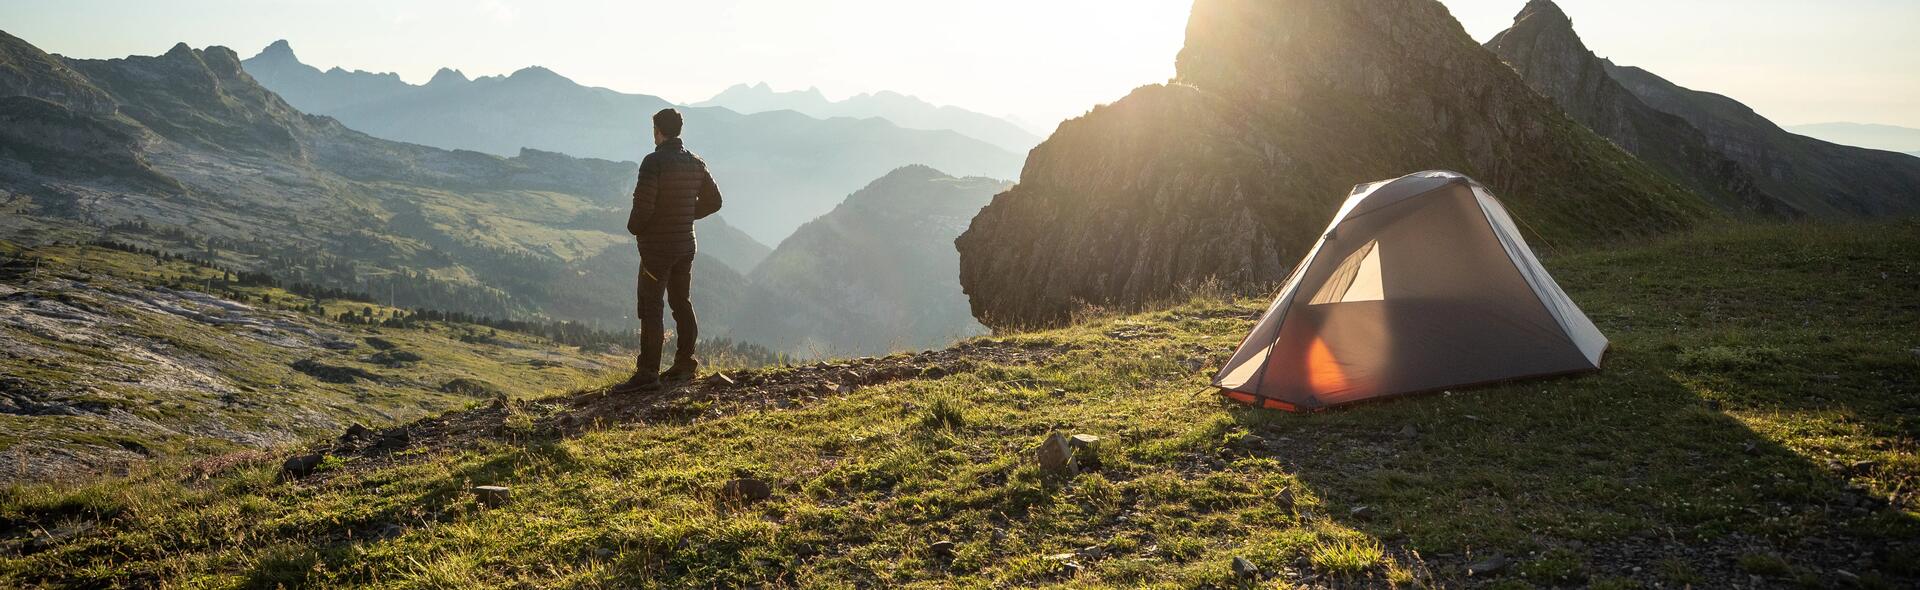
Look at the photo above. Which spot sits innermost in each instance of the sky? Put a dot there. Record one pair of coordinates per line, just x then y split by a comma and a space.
1796, 61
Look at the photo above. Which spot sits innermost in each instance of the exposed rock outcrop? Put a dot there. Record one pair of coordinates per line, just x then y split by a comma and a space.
1279, 108
1543, 47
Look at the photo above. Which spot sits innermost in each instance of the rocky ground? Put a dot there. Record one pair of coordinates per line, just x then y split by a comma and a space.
106, 367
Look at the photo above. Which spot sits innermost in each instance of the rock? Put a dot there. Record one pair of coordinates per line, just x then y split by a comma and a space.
1059, 392
1862, 467
492, 496
941, 548
1081, 441
1055, 455
1090, 552
395, 439
1285, 499
1750, 448
1544, 49
1191, 365
746, 489
1365, 513
1487, 567
1245, 569
1409, 431
720, 380
844, 388
1241, 131
302, 465
355, 431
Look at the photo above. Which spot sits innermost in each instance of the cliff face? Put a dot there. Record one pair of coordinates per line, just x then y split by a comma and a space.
1278, 109
1543, 47
1823, 179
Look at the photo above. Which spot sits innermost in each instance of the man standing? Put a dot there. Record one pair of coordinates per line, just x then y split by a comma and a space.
674, 190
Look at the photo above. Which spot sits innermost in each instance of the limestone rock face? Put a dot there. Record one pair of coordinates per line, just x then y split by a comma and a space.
1231, 170
1543, 47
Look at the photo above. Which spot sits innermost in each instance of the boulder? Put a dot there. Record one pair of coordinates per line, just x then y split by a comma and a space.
1055, 455
302, 466
492, 496
746, 490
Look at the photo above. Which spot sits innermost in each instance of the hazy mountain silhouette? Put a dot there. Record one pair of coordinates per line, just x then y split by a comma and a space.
877, 274
1775, 170
185, 150
1873, 136
1543, 47
1278, 109
778, 169
905, 111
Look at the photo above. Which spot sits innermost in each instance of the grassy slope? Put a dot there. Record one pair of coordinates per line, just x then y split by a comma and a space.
1752, 371
268, 399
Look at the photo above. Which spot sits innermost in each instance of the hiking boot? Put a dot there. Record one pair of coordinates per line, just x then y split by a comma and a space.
683, 370
640, 382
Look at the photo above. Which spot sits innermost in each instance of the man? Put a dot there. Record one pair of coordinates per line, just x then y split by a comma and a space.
674, 190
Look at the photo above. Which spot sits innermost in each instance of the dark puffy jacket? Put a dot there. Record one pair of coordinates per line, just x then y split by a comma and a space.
674, 189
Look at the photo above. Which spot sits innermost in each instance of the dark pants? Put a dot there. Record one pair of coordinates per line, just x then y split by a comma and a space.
671, 275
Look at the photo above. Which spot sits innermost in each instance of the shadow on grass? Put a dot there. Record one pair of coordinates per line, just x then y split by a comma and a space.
1601, 474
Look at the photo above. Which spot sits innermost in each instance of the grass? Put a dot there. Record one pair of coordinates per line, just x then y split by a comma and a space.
1759, 399
224, 381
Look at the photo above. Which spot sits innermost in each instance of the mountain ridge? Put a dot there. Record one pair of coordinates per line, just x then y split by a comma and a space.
1225, 174
778, 169
901, 109
1546, 51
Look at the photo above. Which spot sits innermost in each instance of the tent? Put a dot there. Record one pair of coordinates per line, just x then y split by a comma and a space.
1421, 283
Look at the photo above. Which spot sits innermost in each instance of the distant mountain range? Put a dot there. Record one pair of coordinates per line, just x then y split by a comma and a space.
186, 152
905, 111
1692, 136
878, 274
1891, 138
778, 169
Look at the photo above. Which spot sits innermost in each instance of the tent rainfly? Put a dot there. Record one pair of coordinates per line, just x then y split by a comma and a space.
1420, 283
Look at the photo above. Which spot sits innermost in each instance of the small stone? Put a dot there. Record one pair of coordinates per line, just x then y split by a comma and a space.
1090, 553
1409, 431
942, 548
302, 465
355, 431
1750, 448
1070, 569
1245, 569
1362, 513
1059, 392
1055, 455
1081, 441
1285, 499
1489, 566
1863, 467
720, 380
747, 489
492, 496
1192, 366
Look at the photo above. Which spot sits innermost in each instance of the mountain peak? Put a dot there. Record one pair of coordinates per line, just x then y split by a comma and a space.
535, 73
180, 50
1544, 9
278, 51
448, 76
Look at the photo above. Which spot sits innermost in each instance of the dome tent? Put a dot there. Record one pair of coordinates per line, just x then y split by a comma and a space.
1419, 283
